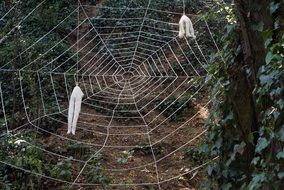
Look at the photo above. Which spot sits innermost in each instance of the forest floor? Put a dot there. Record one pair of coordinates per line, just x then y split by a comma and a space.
127, 145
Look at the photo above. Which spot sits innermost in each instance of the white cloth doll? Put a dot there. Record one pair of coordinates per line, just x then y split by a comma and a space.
74, 109
186, 28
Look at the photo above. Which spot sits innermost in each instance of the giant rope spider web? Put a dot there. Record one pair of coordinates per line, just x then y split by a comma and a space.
128, 73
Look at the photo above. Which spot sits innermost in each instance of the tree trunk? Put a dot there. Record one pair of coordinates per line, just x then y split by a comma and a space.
253, 17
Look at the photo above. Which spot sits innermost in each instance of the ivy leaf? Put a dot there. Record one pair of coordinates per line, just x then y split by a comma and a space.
276, 115
259, 177
257, 180
204, 148
269, 57
255, 160
281, 133
208, 78
264, 79
228, 118
281, 175
239, 148
273, 7
211, 168
262, 143
269, 39
226, 186
280, 155
281, 103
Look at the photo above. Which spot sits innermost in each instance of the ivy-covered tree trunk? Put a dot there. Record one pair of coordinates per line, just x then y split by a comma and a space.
250, 133
253, 17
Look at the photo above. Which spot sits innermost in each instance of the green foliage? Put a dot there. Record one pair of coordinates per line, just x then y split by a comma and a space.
268, 161
124, 156
62, 170
196, 155
96, 173
39, 24
225, 140
175, 107
18, 152
78, 150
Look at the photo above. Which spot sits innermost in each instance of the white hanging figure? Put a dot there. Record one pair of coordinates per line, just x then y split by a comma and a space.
186, 28
74, 109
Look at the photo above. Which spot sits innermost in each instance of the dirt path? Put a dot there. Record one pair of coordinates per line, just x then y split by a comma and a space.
128, 155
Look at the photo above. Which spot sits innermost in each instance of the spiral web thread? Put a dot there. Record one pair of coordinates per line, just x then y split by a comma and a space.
127, 71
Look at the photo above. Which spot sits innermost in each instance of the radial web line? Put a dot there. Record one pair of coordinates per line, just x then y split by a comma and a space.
149, 138
19, 23
105, 142
3, 109
12, 8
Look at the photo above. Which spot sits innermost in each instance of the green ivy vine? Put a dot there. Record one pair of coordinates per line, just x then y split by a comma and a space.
265, 168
